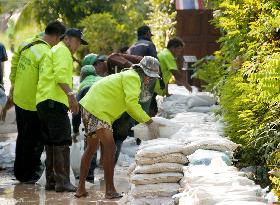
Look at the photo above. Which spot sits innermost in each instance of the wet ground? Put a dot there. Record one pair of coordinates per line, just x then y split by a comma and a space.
12, 192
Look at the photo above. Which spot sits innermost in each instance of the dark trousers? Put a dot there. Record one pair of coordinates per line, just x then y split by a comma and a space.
55, 123
29, 145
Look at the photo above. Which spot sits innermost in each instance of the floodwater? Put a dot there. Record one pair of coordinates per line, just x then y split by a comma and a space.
12, 192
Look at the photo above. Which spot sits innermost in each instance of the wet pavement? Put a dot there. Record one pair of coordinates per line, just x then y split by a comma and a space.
12, 192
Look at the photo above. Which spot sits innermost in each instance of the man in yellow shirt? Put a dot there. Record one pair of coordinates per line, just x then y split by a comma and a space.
54, 98
104, 103
167, 59
24, 78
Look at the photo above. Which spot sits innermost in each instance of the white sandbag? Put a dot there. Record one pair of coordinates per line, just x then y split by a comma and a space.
130, 200
241, 203
75, 157
222, 145
201, 109
159, 150
214, 194
42, 181
167, 129
201, 99
7, 153
158, 168
191, 117
169, 158
159, 141
152, 190
131, 168
167, 177
205, 157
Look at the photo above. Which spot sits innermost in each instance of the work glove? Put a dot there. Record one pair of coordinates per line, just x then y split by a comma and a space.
154, 129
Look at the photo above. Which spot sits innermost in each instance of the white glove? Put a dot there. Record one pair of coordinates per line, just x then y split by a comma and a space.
154, 129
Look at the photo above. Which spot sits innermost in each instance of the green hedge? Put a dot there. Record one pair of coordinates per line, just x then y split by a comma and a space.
245, 74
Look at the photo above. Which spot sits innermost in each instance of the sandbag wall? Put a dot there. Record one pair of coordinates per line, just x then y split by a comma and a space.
155, 176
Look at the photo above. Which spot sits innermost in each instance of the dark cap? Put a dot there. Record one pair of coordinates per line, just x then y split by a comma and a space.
101, 58
143, 30
74, 32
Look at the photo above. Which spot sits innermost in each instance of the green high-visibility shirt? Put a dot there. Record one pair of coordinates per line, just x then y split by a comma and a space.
24, 72
167, 64
57, 67
113, 95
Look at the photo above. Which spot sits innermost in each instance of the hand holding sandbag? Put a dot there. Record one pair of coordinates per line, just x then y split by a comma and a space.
154, 129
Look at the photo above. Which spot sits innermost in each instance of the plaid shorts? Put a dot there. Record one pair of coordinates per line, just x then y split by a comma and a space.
92, 124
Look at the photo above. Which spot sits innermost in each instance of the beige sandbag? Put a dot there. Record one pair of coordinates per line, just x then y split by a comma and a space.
170, 158
167, 177
159, 150
158, 168
218, 144
152, 190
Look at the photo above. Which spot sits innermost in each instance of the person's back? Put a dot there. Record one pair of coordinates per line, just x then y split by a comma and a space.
144, 46
24, 72
116, 94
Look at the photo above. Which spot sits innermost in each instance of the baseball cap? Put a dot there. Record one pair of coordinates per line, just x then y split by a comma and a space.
101, 58
143, 30
74, 32
150, 66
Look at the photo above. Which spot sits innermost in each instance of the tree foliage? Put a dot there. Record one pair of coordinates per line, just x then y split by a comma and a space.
162, 20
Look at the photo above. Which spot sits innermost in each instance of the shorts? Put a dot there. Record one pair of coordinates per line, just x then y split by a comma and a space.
92, 124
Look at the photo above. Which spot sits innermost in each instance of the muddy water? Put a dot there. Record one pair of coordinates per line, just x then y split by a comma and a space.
12, 192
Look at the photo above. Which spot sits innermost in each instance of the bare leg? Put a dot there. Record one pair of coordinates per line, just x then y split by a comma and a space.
92, 145
108, 144
101, 156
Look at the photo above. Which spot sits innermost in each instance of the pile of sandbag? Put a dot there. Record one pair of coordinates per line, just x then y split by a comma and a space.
155, 176
218, 183
183, 101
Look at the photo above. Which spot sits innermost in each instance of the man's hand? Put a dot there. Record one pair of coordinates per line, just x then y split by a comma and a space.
73, 104
154, 129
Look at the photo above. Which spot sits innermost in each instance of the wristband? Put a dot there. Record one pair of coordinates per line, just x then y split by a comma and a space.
70, 93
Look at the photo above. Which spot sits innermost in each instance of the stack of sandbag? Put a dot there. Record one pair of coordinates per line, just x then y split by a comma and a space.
155, 176
182, 101
167, 128
218, 183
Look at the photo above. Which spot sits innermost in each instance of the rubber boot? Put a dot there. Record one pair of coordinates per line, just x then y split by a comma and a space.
62, 169
50, 183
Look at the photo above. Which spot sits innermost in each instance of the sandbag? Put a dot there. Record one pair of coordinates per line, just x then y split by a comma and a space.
152, 190
167, 177
214, 195
169, 158
167, 129
159, 141
241, 203
201, 99
158, 168
205, 157
75, 157
130, 200
218, 144
159, 150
